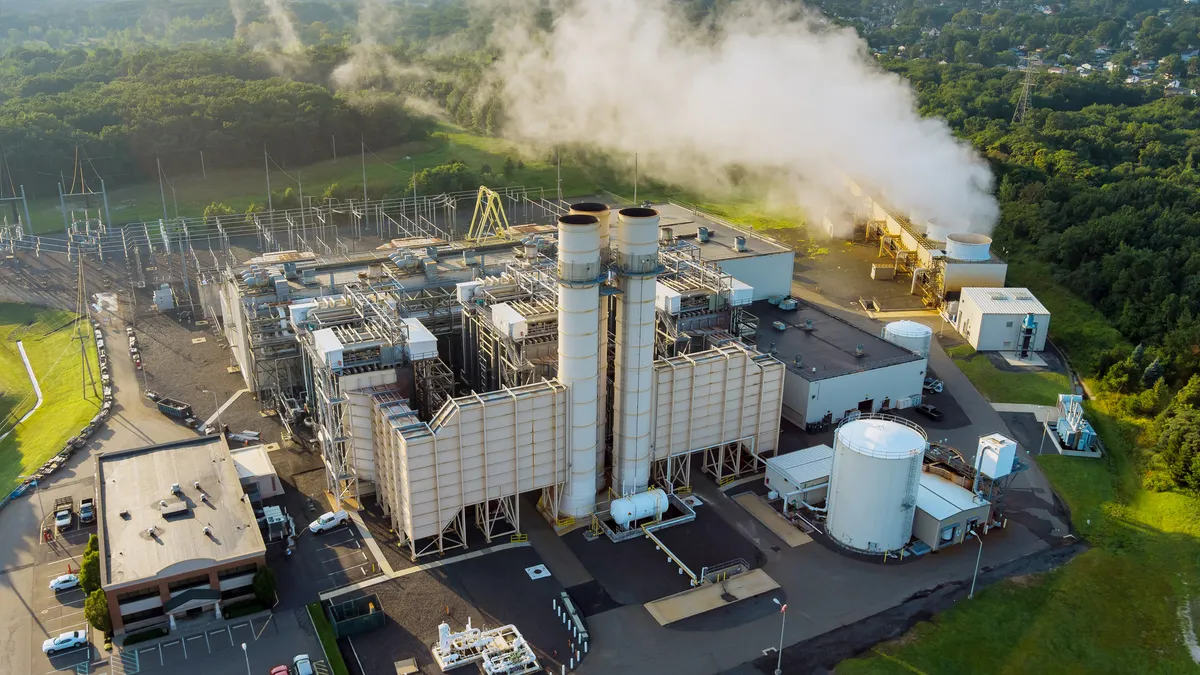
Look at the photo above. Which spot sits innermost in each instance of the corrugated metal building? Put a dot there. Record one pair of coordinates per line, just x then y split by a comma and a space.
946, 512
991, 319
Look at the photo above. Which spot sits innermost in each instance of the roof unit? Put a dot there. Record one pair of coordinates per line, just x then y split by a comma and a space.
509, 321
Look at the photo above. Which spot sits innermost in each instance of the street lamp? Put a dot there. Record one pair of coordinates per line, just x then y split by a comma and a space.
217, 405
782, 623
978, 557
247, 659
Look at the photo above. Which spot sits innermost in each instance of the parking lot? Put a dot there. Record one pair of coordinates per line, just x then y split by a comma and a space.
270, 641
341, 555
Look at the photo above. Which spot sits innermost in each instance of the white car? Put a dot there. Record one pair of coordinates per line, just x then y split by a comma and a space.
62, 519
328, 521
65, 582
303, 663
76, 638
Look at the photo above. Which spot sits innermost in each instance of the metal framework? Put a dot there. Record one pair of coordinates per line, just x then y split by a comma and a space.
489, 220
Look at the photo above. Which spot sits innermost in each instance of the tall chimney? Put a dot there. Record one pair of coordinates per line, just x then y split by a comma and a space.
637, 267
578, 325
601, 212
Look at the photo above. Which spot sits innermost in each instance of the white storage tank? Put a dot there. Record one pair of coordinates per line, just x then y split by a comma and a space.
649, 504
873, 489
913, 336
968, 246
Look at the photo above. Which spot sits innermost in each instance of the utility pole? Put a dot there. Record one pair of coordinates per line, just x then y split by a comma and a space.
267, 171
333, 140
162, 193
558, 170
363, 150
203, 172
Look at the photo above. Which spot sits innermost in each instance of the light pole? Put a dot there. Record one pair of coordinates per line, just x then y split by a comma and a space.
247, 659
782, 623
407, 158
978, 557
217, 405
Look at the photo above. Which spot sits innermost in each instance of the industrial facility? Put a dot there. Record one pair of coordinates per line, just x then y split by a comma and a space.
594, 356
1002, 319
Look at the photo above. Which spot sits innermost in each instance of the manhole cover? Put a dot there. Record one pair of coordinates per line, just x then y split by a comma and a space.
197, 341
537, 572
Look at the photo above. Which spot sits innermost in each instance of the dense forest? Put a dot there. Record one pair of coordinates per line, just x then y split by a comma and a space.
1098, 182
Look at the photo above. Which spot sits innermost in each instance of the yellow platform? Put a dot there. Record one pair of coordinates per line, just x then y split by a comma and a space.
707, 598
773, 519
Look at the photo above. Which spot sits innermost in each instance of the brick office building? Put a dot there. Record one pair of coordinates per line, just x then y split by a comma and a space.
178, 536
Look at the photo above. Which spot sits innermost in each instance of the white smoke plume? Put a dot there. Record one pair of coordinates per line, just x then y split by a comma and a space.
277, 39
370, 64
771, 91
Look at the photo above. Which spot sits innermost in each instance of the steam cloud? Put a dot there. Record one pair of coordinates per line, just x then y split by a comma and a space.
370, 64
277, 38
779, 94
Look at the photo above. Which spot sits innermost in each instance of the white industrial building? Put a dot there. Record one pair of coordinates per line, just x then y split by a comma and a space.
947, 512
801, 478
1002, 319
835, 368
256, 472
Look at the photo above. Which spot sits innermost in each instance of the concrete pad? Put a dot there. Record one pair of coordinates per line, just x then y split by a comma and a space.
707, 598
1031, 361
772, 519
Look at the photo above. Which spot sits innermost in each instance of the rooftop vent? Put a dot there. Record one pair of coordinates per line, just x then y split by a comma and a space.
125, 514
204, 497
176, 489
808, 325
162, 503
666, 235
207, 531
739, 244
196, 485
859, 351
151, 533
799, 360
773, 349
703, 234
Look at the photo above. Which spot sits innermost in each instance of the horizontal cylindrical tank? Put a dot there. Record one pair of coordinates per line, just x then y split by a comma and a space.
873, 489
913, 336
651, 503
968, 246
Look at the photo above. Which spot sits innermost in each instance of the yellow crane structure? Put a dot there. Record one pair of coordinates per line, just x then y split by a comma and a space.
488, 221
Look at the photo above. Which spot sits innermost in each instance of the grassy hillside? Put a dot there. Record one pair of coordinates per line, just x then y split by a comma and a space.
999, 386
46, 335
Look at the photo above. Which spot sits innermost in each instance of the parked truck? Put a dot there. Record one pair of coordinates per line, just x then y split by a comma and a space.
87, 510
63, 509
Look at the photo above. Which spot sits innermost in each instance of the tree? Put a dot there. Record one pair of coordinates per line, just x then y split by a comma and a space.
454, 176
331, 192
1152, 374
93, 544
95, 610
89, 572
962, 52
1179, 447
264, 586
1107, 33
509, 166
216, 209
1172, 65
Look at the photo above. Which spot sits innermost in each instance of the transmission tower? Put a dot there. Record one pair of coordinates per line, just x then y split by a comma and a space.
1024, 103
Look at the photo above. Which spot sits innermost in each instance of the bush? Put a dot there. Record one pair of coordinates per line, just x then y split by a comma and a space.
95, 610
89, 572
328, 640
93, 544
143, 636
264, 586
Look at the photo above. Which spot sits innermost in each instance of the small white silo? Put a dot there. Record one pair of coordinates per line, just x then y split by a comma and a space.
913, 336
873, 490
968, 246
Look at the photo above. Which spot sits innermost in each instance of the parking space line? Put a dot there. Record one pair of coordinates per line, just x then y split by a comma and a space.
196, 637
352, 537
344, 555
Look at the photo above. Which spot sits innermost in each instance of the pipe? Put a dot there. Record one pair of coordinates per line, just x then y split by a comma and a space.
637, 268
601, 213
578, 323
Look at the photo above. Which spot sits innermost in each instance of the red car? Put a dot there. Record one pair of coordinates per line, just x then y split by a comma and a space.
279, 670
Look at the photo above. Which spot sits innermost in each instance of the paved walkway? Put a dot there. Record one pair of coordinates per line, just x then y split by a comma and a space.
217, 415
36, 390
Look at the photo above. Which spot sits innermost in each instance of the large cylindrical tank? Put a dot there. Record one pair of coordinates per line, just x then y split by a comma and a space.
649, 504
913, 336
578, 344
873, 489
968, 246
633, 365
602, 214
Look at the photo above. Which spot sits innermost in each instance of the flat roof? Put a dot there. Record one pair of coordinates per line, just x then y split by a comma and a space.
252, 461
942, 499
132, 486
1003, 300
828, 350
804, 465
720, 245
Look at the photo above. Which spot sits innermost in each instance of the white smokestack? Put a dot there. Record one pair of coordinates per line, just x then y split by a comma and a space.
601, 213
788, 100
633, 365
578, 325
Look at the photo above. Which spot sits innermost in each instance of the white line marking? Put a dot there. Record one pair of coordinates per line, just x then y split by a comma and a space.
207, 643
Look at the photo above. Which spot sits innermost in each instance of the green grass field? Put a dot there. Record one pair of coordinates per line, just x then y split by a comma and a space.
1001, 386
46, 335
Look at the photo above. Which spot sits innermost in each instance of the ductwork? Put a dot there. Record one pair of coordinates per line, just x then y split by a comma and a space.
637, 268
578, 341
601, 212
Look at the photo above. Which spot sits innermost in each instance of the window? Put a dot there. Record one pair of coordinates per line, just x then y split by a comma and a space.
237, 571
239, 592
1008, 324
142, 615
183, 584
139, 594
